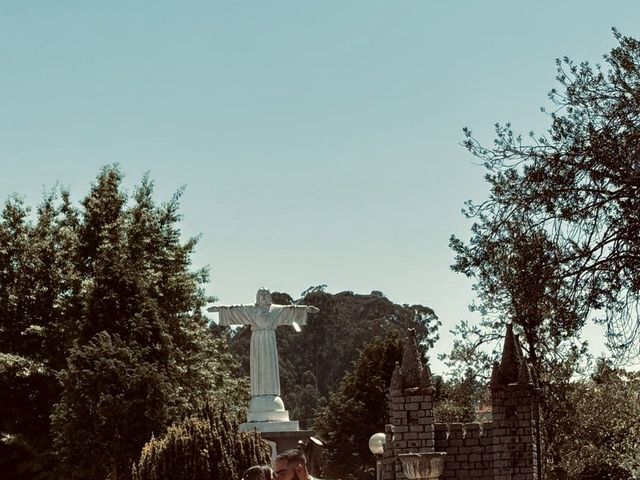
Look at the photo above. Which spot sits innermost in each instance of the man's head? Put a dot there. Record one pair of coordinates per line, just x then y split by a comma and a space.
291, 465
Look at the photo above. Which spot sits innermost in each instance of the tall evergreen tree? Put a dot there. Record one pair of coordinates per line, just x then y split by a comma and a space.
37, 285
358, 408
100, 329
144, 357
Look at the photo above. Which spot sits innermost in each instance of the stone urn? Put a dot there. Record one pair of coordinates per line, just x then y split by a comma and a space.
421, 466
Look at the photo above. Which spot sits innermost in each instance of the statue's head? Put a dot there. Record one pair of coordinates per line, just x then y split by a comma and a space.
263, 298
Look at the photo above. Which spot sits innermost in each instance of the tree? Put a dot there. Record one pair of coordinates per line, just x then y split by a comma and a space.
556, 243
576, 190
143, 356
37, 291
600, 437
457, 399
358, 408
114, 399
206, 446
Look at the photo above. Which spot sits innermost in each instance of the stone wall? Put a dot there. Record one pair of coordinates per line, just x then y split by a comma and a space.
469, 448
411, 428
506, 448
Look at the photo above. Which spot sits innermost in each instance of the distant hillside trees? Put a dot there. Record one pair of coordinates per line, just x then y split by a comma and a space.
313, 362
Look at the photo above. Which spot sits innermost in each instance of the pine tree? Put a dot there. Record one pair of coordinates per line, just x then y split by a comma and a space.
144, 357
36, 285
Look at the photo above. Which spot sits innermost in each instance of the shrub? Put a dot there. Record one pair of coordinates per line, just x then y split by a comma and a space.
208, 446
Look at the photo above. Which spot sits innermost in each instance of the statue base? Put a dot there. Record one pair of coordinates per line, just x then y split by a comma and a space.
268, 416
267, 408
264, 427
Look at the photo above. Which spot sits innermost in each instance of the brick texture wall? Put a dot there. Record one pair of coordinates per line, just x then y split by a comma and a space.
506, 448
469, 448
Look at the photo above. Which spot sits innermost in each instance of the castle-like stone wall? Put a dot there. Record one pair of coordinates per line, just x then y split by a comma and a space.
507, 448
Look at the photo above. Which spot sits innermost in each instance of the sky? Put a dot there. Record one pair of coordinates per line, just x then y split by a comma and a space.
318, 142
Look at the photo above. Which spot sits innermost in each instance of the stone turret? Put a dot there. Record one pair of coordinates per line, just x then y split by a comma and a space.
412, 373
411, 427
516, 415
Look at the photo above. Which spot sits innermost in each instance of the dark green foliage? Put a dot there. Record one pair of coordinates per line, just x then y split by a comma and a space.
112, 402
604, 471
203, 447
358, 409
458, 399
314, 361
563, 208
602, 427
101, 332
37, 286
556, 244
28, 390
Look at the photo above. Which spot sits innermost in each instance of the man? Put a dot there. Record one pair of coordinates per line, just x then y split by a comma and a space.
291, 465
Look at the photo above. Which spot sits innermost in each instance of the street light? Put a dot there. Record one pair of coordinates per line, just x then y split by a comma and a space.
376, 445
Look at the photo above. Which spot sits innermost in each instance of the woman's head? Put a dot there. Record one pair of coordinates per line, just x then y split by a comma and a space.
258, 472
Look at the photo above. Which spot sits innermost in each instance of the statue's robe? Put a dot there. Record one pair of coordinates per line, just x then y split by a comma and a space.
265, 374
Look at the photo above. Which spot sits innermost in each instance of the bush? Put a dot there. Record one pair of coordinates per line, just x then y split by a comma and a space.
208, 446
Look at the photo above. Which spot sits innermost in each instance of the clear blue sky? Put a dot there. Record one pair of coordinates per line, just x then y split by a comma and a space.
319, 141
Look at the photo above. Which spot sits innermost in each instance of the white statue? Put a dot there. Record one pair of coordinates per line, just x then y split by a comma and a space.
264, 317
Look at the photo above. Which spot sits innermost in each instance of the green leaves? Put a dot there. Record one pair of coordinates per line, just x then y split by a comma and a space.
556, 244
206, 446
358, 409
99, 306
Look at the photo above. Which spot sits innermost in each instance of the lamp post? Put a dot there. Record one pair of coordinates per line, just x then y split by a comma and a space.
376, 445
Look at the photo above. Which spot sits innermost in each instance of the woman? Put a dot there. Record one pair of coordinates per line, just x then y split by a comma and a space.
258, 472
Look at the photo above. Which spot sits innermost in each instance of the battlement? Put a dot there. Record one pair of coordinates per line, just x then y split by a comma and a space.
506, 447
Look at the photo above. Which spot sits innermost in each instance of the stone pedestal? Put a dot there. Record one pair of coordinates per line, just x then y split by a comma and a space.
267, 408
268, 416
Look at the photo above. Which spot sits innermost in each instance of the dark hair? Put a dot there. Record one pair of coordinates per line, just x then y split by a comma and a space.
291, 456
258, 472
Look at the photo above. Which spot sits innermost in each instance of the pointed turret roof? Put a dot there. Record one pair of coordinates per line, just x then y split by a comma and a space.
511, 357
513, 366
396, 378
411, 364
412, 373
